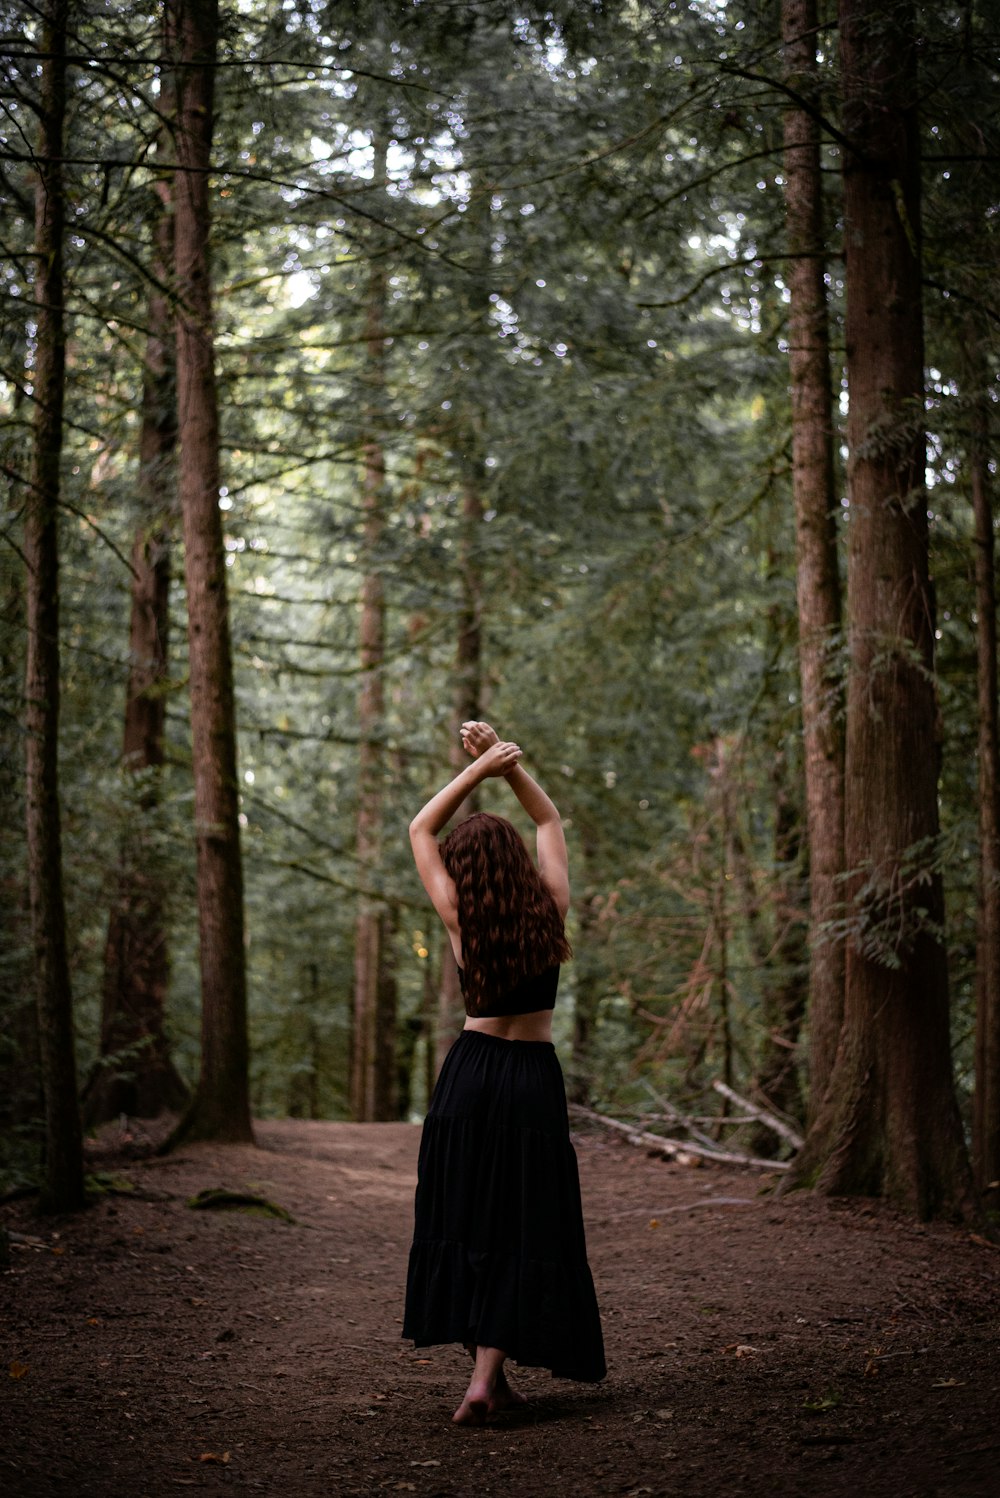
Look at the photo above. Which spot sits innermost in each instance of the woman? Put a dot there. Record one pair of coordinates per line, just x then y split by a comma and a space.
499, 1261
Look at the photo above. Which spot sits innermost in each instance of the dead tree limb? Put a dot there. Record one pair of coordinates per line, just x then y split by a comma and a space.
674, 1149
754, 1110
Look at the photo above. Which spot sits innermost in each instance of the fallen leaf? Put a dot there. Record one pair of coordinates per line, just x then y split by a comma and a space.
18, 1370
654, 1222
93, 1320
214, 1456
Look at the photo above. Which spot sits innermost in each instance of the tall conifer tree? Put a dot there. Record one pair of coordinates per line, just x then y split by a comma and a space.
63, 1188
221, 1105
889, 1123
818, 581
135, 1073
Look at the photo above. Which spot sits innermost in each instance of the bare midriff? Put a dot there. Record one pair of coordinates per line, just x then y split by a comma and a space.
534, 1026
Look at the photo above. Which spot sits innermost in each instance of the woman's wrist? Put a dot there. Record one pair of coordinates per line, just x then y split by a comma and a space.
473, 773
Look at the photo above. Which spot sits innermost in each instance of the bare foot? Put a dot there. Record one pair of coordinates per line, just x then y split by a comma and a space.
477, 1404
504, 1397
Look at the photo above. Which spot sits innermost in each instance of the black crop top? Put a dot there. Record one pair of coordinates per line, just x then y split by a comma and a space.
531, 994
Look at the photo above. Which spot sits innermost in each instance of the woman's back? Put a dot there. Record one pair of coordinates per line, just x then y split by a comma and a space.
524, 1012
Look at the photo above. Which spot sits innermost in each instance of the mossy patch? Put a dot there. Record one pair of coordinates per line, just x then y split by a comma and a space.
224, 1199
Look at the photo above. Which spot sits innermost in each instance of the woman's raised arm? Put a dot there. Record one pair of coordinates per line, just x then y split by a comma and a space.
553, 865
499, 759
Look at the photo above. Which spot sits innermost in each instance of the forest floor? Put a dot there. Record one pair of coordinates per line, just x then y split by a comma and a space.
756, 1344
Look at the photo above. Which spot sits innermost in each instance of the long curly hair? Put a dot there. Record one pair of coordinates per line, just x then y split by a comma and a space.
510, 924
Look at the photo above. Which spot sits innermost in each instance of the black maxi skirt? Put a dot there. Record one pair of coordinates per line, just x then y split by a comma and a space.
499, 1257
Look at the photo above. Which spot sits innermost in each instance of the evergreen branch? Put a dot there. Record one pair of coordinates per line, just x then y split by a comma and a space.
175, 64
801, 101
292, 602
389, 657
255, 798
86, 230
709, 176
66, 504
6, 535
377, 895
720, 270
255, 481
299, 644
963, 296
320, 194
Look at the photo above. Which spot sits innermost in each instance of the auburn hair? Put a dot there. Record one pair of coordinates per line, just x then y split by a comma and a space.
510, 924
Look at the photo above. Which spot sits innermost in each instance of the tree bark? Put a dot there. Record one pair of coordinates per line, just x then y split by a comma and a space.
369, 1046
783, 1000
385, 1101
22, 1099
467, 705
986, 1101
889, 1123
63, 1186
136, 960
817, 576
469, 435
220, 1108
580, 1080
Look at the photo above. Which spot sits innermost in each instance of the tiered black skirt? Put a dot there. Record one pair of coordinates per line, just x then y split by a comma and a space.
499, 1257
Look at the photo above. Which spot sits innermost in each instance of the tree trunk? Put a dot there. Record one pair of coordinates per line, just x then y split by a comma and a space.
368, 1043
986, 1107
889, 1124
22, 1099
63, 1187
428, 1009
467, 706
145, 1081
817, 577
580, 1081
387, 1090
221, 1105
784, 999
303, 1088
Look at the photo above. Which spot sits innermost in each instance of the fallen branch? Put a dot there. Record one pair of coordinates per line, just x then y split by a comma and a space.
674, 1149
706, 1201
754, 1110
674, 1115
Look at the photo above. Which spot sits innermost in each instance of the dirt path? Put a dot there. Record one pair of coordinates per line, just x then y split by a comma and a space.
756, 1346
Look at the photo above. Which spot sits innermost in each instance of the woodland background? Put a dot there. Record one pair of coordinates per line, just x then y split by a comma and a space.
512, 347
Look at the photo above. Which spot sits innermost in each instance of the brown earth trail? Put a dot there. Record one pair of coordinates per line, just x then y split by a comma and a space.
756, 1346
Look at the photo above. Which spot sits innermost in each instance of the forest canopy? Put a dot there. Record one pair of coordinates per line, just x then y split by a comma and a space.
624, 374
